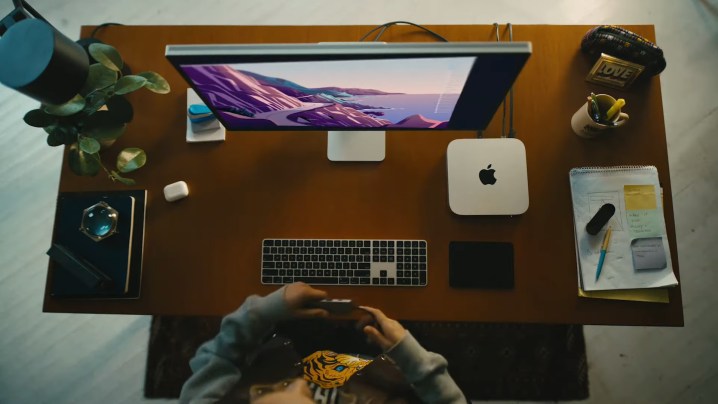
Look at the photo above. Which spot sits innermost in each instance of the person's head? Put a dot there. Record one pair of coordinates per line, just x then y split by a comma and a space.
287, 391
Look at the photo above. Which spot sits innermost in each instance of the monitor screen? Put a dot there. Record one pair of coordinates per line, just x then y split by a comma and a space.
352, 86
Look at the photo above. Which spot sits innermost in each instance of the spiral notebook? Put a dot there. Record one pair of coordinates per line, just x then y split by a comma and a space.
638, 256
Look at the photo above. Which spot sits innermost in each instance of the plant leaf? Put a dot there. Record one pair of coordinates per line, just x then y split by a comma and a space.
75, 105
54, 139
101, 119
39, 118
107, 56
89, 145
129, 83
106, 133
82, 163
60, 134
130, 159
99, 76
127, 181
120, 108
155, 82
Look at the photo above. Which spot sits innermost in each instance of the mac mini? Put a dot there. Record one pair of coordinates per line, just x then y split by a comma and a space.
487, 177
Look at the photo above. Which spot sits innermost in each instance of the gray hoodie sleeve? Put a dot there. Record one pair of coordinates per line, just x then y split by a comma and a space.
426, 371
215, 366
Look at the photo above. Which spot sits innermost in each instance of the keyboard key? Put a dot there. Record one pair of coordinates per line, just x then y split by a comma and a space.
403, 281
365, 251
285, 243
292, 243
422, 267
422, 244
268, 265
345, 265
269, 272
375, 258
390, 258
287, 279
315, 243
354, 281
268, 242
399, 265
390, 281
317, 281
364, 265
382, 258
414, 281
342, 272
414, 244
400, 244
382, 243
400, 274
312, 272
374, 281
322, 243
364, 281
382, 274
362, 273
422, 278
343, 281
352, 243
354, 265
383, 251
391, 244
266, 279
382, 281
345, 243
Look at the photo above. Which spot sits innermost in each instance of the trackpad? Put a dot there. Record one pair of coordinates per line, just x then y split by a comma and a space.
483, 265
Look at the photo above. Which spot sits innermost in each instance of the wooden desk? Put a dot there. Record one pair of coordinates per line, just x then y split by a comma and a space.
202, 254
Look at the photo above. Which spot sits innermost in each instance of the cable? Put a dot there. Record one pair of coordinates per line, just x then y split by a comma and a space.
512, 132
99, 27
503, 116
385, 26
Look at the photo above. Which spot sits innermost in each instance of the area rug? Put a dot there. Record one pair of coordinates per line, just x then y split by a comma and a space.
488, 361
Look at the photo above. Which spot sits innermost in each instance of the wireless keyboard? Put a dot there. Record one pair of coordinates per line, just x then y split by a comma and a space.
344, 262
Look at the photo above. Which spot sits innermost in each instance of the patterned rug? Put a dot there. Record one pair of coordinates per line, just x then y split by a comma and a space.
488, 361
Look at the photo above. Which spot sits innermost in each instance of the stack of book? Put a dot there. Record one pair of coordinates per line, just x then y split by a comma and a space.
111, 268
637, 259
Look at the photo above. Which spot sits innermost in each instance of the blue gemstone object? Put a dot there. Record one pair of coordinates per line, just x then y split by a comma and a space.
99, 221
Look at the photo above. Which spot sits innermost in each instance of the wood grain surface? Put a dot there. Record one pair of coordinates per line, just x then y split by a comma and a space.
202, 254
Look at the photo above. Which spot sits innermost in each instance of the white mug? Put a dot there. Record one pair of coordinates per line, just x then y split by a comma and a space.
583, 123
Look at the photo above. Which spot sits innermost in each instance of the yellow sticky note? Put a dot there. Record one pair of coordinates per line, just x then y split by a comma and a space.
640, 197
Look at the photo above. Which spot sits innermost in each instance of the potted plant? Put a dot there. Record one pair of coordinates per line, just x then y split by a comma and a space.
98, 115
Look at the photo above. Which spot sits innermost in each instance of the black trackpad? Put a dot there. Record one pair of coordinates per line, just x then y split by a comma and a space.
483, 265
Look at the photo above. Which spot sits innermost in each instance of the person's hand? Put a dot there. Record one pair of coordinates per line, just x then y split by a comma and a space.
389, 333
299, 297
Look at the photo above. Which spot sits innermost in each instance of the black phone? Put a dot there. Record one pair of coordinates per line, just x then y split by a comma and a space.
336, 306
480, 264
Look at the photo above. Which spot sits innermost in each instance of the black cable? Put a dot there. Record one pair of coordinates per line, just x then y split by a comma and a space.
503, 116
99, 27
512, 132
384, 27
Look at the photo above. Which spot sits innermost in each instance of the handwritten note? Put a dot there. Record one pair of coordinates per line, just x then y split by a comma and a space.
643, 217
648, 253
640, 197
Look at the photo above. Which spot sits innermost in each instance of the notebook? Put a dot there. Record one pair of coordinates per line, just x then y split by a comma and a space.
638, 255
118, 256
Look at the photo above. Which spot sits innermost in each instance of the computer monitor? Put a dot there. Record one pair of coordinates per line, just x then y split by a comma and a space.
355, 91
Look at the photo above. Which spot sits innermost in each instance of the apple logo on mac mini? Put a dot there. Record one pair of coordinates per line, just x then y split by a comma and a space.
487, 176
467, 159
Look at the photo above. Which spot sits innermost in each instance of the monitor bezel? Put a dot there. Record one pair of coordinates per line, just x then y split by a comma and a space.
473, 111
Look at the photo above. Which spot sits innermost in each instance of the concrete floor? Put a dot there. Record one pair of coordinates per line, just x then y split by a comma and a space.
64, 358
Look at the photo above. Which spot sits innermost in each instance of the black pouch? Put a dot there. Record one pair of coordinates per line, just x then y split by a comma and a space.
626, 45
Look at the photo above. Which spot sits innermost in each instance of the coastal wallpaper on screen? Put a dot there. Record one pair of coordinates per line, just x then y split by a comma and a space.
386, 93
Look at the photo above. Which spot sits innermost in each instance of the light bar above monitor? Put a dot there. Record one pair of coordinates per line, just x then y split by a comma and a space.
352, 86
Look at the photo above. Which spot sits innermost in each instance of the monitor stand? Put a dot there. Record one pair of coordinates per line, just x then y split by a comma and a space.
356, 145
